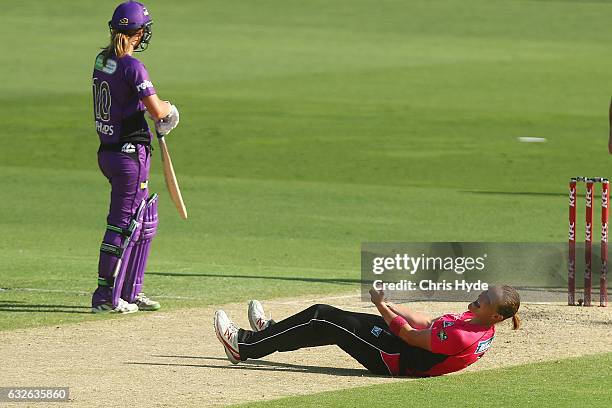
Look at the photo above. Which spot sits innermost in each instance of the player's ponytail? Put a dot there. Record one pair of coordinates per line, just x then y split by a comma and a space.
509, 306
119, 44
516, 322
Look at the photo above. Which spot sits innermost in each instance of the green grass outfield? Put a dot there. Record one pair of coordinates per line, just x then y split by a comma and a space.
306, 129
583, 381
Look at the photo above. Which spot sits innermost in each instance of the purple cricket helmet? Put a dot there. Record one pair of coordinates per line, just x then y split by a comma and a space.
130, 16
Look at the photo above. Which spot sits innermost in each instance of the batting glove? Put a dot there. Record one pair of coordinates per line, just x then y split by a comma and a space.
165, 125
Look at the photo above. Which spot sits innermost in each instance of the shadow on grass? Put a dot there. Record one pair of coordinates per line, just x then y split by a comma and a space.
22, 307
335, 281
517, 193
262, 365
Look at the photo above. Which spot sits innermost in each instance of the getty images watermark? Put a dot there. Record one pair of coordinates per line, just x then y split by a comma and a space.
459, 271
422, 263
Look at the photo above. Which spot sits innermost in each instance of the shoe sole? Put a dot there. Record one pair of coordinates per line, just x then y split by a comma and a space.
228, 349
113, 311
149, 308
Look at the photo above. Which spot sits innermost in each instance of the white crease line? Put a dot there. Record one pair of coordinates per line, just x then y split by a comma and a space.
71, 292
306, 298
178, 297
287, 302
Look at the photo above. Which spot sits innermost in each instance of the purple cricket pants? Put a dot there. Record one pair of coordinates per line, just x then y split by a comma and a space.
128, 175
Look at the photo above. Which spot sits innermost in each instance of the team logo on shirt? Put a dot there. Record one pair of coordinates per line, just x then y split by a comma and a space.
144, 85
483, 346
442, 335
128, 148
376, 331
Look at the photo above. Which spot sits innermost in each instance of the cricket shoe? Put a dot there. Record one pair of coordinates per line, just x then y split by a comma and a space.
257, 316
146, 304
227, 333
123, 307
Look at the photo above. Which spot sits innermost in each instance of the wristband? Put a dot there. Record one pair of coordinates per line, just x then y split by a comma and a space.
396, 324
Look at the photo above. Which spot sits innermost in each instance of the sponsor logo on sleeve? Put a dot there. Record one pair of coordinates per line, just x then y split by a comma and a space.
376, 331
144, 85
442, 335
447, 324
109, 68
483, 346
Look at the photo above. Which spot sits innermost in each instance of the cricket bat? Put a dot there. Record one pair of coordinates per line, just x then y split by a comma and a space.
170, 176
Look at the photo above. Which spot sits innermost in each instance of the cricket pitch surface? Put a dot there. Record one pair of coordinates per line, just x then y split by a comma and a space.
174, 359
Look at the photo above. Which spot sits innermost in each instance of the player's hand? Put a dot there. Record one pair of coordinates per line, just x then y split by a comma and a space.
377, 296
165, 125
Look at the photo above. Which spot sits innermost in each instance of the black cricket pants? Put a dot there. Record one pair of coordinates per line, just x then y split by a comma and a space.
361, 335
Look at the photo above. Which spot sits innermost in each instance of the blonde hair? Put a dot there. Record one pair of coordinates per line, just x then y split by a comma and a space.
509, 305
119, 43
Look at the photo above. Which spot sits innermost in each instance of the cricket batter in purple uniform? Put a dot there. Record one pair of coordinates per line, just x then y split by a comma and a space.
122, 92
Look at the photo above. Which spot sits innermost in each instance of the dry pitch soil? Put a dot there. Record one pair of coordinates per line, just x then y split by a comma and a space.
174, 359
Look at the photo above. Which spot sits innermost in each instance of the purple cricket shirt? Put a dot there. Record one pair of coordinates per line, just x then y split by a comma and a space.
118, 88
